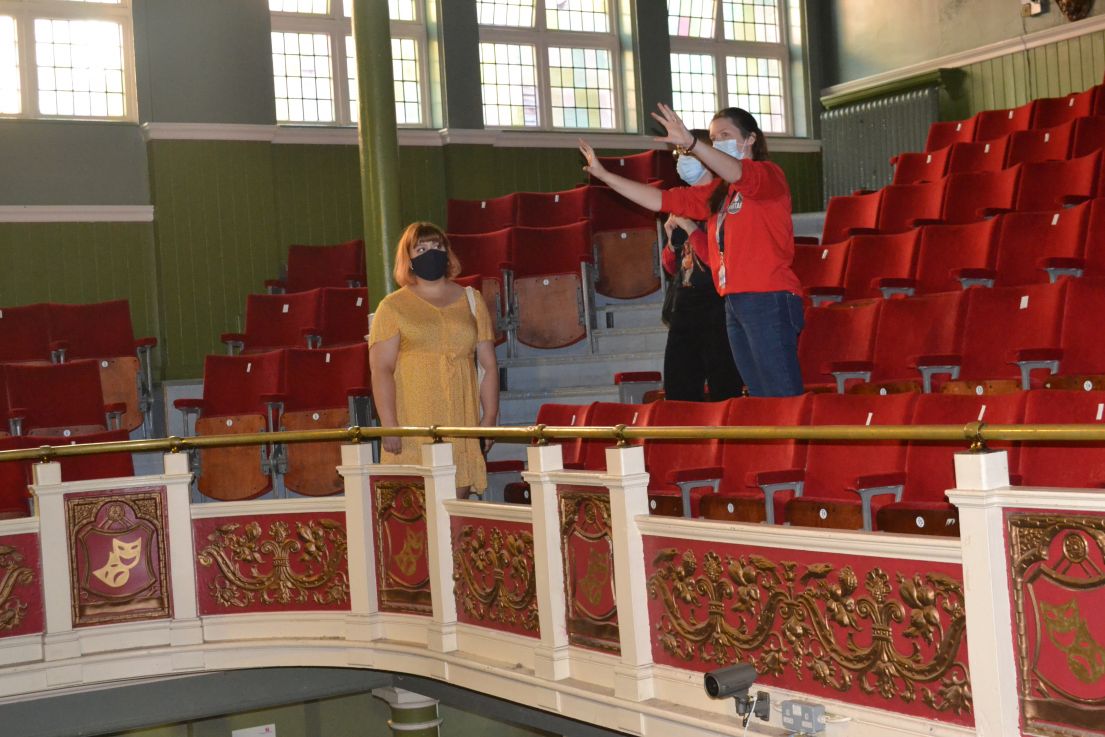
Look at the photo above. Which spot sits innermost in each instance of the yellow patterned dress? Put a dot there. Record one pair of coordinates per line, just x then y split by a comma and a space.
435, 373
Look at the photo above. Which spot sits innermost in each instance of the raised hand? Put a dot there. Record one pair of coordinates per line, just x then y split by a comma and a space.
592, 165
677, 133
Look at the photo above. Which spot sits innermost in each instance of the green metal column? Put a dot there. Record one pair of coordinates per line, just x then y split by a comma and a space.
379, 144
412, 715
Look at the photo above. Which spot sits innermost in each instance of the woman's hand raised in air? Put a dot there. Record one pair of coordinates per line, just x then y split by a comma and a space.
592, 165
676, 132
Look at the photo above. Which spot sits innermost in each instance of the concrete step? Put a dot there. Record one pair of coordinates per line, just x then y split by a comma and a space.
527, 374
629, 315
636, 339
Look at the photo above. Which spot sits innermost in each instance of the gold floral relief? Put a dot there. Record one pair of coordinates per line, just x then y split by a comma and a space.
12, 573
277, 567
493, 572
895, 637
1057, 572
402, 566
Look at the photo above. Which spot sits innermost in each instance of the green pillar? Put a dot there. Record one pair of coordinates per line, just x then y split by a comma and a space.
412, 715
379, 144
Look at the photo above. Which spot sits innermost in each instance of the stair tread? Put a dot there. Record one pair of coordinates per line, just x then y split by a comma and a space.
596, 358
560, 391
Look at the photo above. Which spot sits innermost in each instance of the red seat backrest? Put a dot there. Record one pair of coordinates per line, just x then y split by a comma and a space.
945, 249
343, 315
100, 330
14, 477
479, 216
25, 333
1047, 144
997, 123
1089, 135
849, 211
56, 395
610, 211
1051, 111
484, 254
833, 466
930, 467
322, 378
234, 385
544, 209
313, 267
664, 456
592, 453
1027, 237
871, 257
1002, 321
911, 328
555, 250
639, 167
836, 332
904, 203
565, 415
820, 266
1072, 465
278, 320
980, 156
1080, 339
967, 194
949, 132
1044, 185
928, 166
742, 459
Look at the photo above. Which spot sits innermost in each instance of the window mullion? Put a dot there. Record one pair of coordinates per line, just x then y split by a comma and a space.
28, 69
339, 77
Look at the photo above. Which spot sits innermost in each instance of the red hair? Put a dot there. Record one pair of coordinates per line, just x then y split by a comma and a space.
403, 273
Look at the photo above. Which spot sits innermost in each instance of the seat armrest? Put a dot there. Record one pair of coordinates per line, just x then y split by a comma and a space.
635, 376
16, 417
312, 336
993, 212
975, 277
1070, 200
773, 482
681, 475
922, 222
1036, 359
895, 478
353, 279
892, 286
114, 412
235, 342
148, 342
807, 240
787, 476
359, 391
844, 371
825, 295
275, 286
862, 191
1060, 266
935, 365
863, 231
867, 493
58, 349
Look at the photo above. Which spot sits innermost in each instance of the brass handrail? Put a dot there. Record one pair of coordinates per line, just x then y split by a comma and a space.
974, 434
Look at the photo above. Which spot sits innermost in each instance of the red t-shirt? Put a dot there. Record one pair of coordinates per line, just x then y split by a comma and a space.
759, 235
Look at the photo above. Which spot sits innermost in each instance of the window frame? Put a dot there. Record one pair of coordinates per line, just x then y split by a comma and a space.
721, 49
337, 27
542, 39
26, 12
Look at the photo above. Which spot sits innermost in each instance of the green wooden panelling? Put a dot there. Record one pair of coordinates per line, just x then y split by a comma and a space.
81, 263
1051, 70
318, 194
803, 172
422, 186
216, 238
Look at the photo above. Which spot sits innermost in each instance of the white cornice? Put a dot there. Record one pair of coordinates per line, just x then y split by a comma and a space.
843, 542
21, 526
481, 511
259, 507
973, 56
347, 136
76, 213
207, 132
1026, 497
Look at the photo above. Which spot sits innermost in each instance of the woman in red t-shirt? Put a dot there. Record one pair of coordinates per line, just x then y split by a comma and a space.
748, 221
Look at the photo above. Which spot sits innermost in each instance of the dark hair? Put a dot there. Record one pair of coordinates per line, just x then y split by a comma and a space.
747, 124
701, 135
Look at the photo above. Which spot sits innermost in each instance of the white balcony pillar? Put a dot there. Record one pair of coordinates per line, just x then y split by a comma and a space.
441, 486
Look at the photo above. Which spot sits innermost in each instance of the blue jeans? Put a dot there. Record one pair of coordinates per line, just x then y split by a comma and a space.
763, 332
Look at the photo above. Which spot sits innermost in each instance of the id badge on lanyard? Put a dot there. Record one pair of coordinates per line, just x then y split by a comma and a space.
732, 207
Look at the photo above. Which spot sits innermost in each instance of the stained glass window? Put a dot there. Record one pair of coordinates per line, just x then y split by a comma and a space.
757, 86
508, 76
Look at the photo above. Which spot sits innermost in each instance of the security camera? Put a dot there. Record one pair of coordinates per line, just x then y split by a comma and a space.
730, 681
735, 680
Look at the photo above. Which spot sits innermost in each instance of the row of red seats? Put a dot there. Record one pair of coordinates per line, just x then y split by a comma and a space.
962, 198
16, 475
890, 486
290, 389
56, 399
315, 267
1069, 140
1011, 249
976, 340
325, 317
101, 331
1045, 112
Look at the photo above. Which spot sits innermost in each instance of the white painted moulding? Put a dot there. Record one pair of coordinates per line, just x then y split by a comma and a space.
76, 213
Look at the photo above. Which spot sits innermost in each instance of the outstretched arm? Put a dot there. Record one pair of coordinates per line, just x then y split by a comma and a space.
636, 192
719, 162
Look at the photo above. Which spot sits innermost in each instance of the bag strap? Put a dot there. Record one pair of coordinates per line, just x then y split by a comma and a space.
471, 294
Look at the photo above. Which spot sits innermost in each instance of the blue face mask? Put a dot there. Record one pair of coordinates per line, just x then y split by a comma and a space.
690, 169
731, 147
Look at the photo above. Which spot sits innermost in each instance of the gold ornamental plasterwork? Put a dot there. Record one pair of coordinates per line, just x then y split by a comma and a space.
585, 527
506, 558
810, 619
1061, 555
12, 573
280, 569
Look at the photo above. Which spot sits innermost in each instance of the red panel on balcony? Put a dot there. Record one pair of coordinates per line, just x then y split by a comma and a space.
494, 576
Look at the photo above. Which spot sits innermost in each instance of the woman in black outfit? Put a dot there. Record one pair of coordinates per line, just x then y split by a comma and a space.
697, 350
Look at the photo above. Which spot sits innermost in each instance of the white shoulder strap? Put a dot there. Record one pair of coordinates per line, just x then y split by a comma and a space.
471, 293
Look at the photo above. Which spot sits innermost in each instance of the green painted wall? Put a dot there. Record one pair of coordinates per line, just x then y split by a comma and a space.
82, 262
872, 36
216, 242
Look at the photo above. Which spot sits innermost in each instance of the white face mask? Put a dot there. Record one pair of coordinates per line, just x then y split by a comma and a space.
731, 147
690, 169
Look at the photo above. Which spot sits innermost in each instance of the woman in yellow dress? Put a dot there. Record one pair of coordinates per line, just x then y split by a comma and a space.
421, 345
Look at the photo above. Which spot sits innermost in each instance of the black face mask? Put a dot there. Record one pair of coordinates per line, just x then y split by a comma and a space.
431, 265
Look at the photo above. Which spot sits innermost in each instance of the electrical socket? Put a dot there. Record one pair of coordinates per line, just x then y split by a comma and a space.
804, 717
1030, 8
